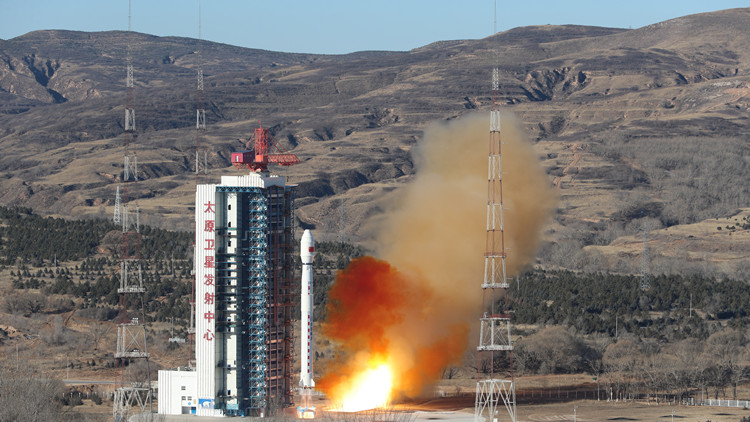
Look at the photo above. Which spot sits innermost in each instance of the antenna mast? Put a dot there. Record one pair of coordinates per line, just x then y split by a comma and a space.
494, 328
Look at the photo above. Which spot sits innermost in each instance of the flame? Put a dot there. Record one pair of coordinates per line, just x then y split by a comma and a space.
368, 300
366, 390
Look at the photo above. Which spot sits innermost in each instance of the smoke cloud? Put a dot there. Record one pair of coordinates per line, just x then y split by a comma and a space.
416, 304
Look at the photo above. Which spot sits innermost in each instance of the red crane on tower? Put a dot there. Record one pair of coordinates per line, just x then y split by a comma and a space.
256, 155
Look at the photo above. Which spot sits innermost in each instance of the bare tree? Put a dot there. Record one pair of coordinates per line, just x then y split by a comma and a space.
27, 396
689, 353
593, 361
25, 303
620, 360
98, 332
726, 349
142, 372
450, 372
738, 369
536, 352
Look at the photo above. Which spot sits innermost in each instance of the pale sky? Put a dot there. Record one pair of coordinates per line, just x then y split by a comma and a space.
336, 26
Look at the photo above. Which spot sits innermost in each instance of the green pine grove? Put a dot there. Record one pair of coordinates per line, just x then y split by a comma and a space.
79, 258
671, 308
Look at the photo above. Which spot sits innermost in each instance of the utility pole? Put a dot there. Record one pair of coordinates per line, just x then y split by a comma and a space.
645, 285
342, 221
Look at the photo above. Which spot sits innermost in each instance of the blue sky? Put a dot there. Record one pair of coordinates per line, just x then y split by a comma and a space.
336, 26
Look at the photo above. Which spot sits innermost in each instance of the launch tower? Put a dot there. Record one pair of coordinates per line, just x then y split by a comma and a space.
244, 256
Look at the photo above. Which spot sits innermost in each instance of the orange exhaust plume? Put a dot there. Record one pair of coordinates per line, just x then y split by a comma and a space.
413, 311
368, 302
368, 297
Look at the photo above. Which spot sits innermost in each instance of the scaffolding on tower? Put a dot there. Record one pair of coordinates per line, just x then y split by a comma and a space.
132, 394
493, 394
261, 151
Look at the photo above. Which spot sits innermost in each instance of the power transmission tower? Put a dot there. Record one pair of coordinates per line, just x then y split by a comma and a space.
133, 392
118, 207
201, 164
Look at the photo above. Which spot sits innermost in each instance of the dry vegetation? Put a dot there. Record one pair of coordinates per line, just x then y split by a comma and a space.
630, 368
641, 131
658, 124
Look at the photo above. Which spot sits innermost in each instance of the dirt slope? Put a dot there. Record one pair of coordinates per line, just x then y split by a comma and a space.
352, 119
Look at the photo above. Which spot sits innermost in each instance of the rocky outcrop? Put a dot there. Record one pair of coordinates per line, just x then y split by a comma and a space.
543, 85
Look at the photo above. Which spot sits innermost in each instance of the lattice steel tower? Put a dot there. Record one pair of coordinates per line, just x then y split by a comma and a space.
133, 393
645, 284
494, 328
201, 160
200, 168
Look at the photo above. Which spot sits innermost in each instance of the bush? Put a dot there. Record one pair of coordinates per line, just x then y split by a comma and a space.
96, 399
104, 313
552, 350
24, 303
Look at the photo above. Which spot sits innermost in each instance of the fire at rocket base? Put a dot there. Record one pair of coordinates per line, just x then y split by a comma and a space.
307, 252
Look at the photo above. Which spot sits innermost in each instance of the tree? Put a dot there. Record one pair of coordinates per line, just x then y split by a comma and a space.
592, 360
97, 333
620, 360
26, 395
536, 353
689, 353
25, 303
726, 349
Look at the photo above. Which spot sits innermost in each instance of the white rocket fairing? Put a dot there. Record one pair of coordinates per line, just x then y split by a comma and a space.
306, 383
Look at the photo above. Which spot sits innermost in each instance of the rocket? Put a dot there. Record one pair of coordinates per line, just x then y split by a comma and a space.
307, 252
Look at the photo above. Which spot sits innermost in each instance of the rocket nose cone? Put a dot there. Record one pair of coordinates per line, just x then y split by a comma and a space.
307, 237
307, 247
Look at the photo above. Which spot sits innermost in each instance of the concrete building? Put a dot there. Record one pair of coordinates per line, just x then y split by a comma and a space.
244, 272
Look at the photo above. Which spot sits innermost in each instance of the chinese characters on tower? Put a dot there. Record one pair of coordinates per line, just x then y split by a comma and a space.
209, 246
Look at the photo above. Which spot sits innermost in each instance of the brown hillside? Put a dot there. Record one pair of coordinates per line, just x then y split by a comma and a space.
637, 124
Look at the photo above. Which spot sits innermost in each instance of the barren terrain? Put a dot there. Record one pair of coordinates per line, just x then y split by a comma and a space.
643, 132
590, 98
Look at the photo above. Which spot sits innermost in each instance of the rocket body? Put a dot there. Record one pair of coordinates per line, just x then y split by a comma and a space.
307, 253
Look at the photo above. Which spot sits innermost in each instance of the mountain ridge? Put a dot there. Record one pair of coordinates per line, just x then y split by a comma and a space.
353, 118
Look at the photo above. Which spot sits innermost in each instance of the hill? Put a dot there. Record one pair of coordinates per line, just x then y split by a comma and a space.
643, 126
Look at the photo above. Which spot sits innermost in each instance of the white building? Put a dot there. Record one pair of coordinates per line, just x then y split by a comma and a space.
244, 271
177, 392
